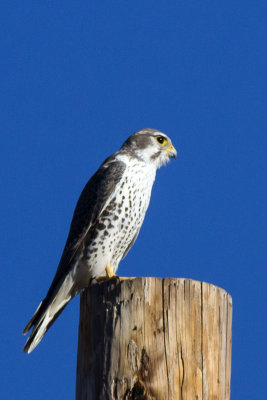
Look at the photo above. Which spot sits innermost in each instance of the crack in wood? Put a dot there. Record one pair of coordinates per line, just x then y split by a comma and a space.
164, 336
183, 373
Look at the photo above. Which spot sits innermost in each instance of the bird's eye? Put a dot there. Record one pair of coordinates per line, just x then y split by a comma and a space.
161, 140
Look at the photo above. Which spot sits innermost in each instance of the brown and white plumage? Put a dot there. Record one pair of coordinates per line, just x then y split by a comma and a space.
105, 224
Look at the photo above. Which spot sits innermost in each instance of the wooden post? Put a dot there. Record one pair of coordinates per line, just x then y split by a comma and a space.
152, 338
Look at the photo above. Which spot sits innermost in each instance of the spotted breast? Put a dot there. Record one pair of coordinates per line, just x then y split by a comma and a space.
118, 227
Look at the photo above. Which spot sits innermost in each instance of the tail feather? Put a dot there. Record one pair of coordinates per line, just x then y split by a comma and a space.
40, 329
36, 335
33, 320
47, 312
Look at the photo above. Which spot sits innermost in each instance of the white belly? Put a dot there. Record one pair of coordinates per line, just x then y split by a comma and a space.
120, 222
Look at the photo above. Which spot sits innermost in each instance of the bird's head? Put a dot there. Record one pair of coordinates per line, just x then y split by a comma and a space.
150, 146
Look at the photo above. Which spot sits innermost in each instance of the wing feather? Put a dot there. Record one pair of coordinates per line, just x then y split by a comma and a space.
95, 197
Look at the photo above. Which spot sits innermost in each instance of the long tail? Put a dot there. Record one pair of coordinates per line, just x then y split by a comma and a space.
46, 313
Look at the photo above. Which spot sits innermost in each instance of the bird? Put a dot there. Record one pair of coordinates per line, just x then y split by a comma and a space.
105, 224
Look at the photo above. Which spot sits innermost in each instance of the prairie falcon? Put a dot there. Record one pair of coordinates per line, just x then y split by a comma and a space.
105, 223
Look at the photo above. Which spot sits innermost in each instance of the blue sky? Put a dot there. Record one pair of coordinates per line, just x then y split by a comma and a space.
77, 78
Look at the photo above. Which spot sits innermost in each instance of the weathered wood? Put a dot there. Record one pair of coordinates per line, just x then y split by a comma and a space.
152, 338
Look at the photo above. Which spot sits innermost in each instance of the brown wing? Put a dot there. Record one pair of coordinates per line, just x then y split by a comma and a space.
92, 202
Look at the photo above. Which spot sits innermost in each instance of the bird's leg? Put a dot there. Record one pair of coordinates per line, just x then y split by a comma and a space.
110, 275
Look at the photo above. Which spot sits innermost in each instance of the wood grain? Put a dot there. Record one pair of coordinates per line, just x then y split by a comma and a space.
152, 338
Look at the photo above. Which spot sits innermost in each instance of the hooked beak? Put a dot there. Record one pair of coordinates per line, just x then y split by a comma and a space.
171, 151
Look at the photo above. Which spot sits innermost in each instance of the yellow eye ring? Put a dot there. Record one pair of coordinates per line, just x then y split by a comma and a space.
161, 140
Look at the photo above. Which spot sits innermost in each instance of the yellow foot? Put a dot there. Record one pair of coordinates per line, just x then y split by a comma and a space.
123, 278
110, 275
